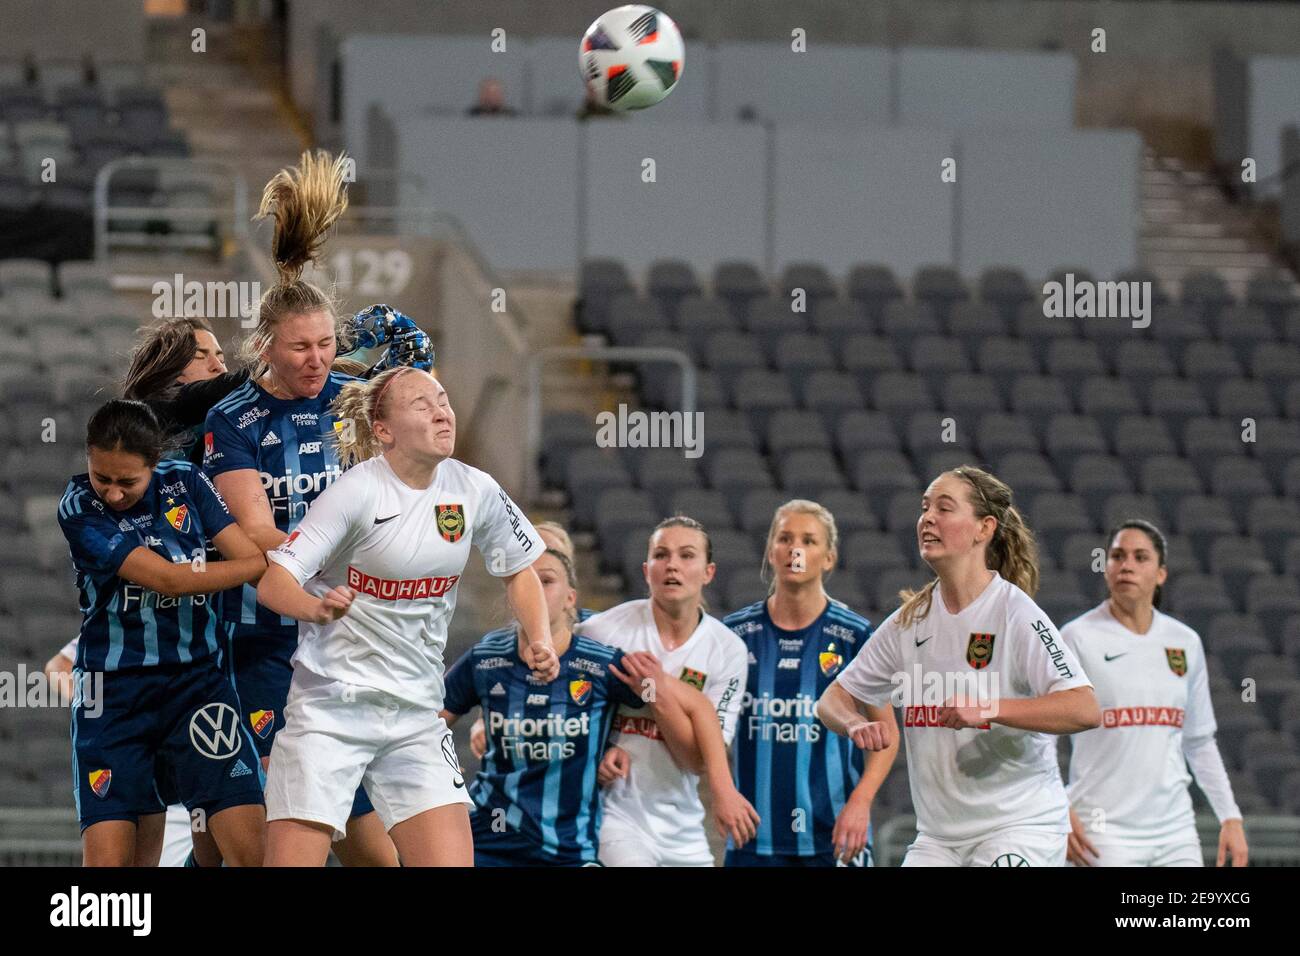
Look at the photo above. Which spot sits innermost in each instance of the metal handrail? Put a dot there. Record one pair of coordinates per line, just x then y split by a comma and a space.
604, 353
104, 213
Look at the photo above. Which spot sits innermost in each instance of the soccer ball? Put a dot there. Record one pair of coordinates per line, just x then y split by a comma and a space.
631, 57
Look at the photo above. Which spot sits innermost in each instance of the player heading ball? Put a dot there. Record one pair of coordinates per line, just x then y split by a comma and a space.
984, 777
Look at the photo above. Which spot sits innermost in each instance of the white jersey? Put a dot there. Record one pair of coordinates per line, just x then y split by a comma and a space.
658, 798
1128, 777
402, 550
968, 783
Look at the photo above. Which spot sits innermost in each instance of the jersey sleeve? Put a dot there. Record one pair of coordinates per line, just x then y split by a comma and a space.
460, 696
213, 513
728, 691
192, 401
869, 677
505, 538
1199, 720
225, 447
1039, 653
337, 512
97, 544
619, 692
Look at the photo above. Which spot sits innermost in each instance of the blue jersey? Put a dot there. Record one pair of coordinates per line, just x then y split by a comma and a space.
787, 764
544, 741
288, 443
127, 625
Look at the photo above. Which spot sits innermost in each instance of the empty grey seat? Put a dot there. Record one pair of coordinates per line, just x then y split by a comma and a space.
929, 431
29, 592
1271, 771
700, 318
1239, 481
744, 590
973, 322
1076, 557
619, 511
664, 472
1272, 599
1242, 328
1206, 292
1236, 560
588, 472
901, 514
1004, 288
724, 428
629, 316
1196, 599
729, 353
1239, 398
1277, 365
670, 280
1176, 327
938, 461
562, 432
999, 434
1159, 295
899, 393
904, 322
629, 561
811, 277
1072, 361
939, 286
970, 396
1069, 437
599, 281
1138, 437
800, 355
1107, 400
862, 431
835, 320
1126, 505
866, 356
874, 286
1056, 516
1006, 359
758, 393
1176, 401
1142, 362
769, 319
1208, 363
1202, 519
850, 510
738, 282
1273, 293
866, 553
756, 508
789, 429
1207, 440
1039, 331
1029, 474
706, 506
1095, 478
831, 395
1274, 522
1059, 595
734, 471
935, 360
881, 473
18, 275
808, 472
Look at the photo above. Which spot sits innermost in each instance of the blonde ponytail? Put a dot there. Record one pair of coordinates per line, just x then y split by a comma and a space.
304, 202
1012, 551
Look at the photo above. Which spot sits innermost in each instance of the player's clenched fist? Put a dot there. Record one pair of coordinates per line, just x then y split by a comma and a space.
334, 603
613, 766
542, 661
869, 735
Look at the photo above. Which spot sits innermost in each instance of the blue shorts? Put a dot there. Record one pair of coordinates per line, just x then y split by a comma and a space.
164, 733
512, 848
260, 663
736, 857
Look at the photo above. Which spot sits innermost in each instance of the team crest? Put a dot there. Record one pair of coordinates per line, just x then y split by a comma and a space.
979, 650
451, 522
580, 691
99, 781
1177, 658
178, 517
830, 660
694, 678
262, 721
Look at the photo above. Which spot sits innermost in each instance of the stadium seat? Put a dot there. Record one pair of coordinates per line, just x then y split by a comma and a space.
970, 397
1029, 474
759, 393
862, 431
1277, 366
866, 553
1055, 516
1208, 363
709, 508
850, 510
599, 282
1141, 363
1272, 599
669, 281
1206, 441
1005, 289
588, 472
1236, 560
1175, 327
830, 395
929, 431
769, 319
724, 428
1076, 557
1242, 328
810, 277
1039, 398
810, 471
801, 354
973, 322
1069, 437
729, 353
664, 472
1238, 481
789, 429
562, 432
1159, 295
1203, 519
620, 510
1138, 437
940, 287
1176, 400
899, 393
999, 434
880, 473
26, 275
935, 360
1095, 479
1196, 598
1274, 523
1273, 293
699, 318
874, 286
1124, 507
867, 356
904, 322
835, 321
630, 317
756, 508
734, 471
736, 283
892, 580
1206, 292
1107, 400
1270, 771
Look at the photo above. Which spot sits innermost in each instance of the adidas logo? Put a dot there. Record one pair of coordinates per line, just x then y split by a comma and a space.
270, 439
239, 770
497, 689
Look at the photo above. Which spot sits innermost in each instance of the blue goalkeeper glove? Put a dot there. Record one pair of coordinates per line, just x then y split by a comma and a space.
384, 325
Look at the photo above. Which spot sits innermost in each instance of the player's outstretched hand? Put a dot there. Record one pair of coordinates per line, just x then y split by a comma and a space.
1077, 846
733, 815
542, 661
334, 603
849, 837
613, 766
1232, 843
870, 735
478, 738
641, 672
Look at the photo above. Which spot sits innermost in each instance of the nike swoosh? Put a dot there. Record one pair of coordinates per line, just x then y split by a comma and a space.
1117, 656
458, 783
919, 643
389, 518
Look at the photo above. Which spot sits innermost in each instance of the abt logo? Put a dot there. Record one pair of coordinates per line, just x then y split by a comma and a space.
214, 731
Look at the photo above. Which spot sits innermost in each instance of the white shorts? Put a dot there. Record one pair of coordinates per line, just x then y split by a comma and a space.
1024, 846
623, 845
1185, 851
338, 735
